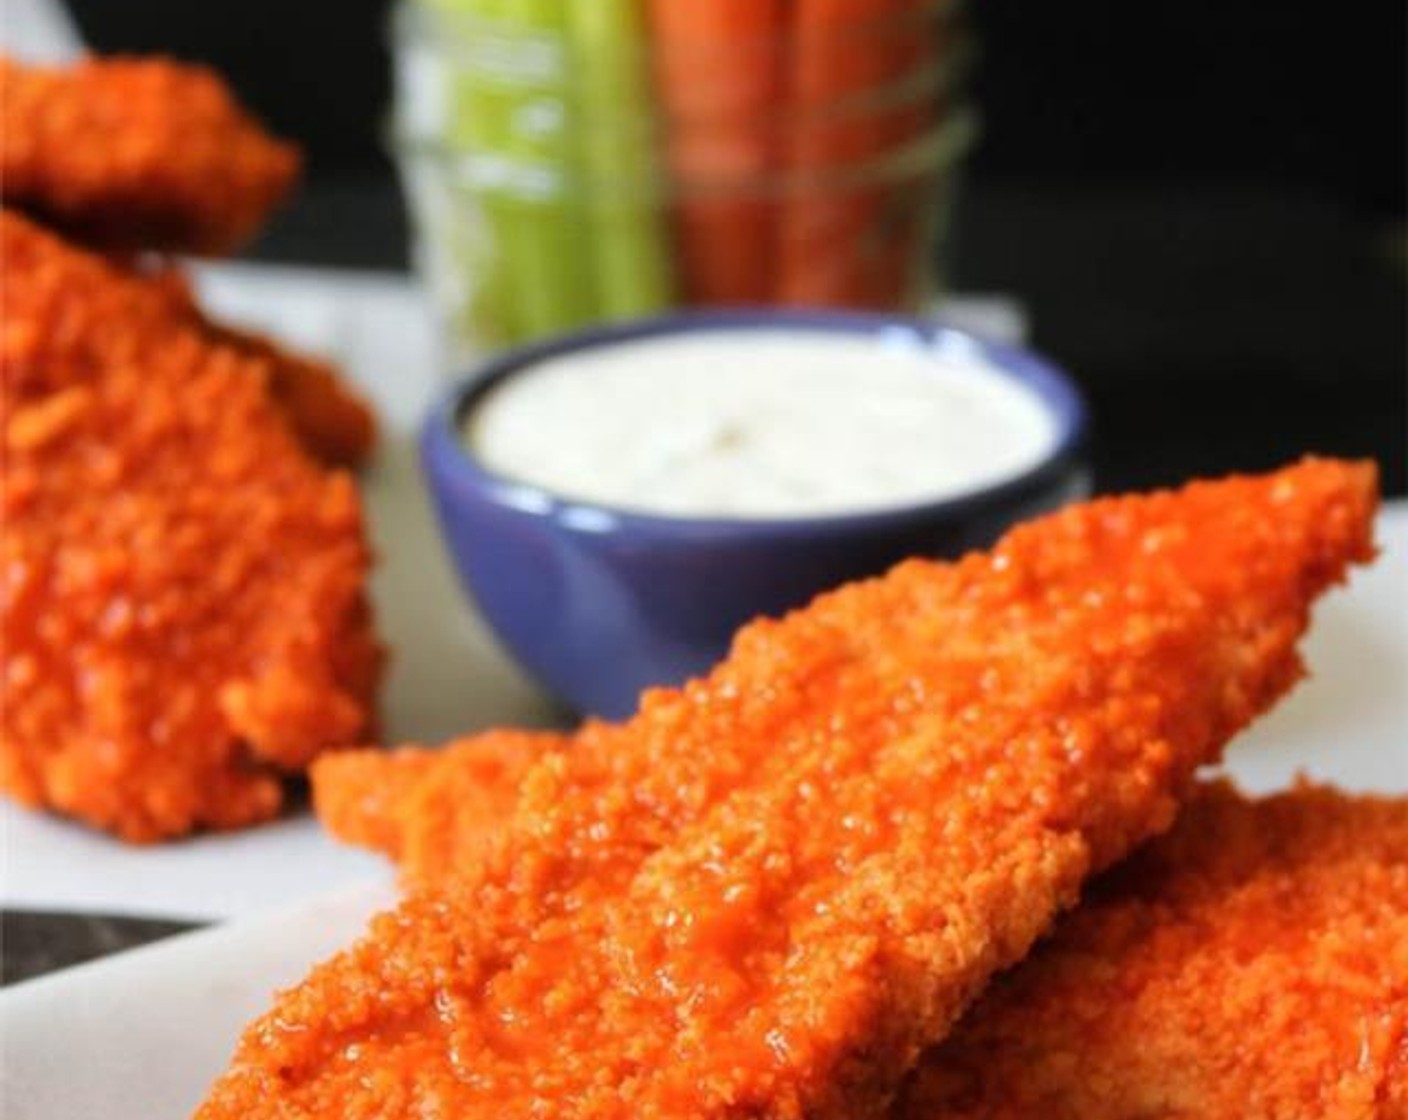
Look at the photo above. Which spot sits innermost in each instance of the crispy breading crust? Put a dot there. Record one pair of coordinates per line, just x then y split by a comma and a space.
329, 419
183, 608
1250, 965
430, 810
138, 153
763, 895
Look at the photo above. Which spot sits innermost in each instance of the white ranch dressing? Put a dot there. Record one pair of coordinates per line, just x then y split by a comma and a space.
761, 424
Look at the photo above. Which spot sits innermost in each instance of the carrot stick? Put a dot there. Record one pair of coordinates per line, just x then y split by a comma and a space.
718, 75
856, 87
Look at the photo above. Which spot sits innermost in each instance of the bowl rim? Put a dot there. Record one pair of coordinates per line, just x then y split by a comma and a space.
443, 449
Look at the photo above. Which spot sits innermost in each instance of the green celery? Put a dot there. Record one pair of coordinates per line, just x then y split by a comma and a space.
514, 120
615, 133
479, 230
550, 268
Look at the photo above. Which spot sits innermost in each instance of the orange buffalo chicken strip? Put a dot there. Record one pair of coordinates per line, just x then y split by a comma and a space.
1252, 962
429, 810
331, 422
137, 154
183, 616
771, 889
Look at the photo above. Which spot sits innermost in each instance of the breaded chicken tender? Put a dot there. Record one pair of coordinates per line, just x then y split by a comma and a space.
182, 600
330, 420
138, 154
770, 890
430, 810
1250, 965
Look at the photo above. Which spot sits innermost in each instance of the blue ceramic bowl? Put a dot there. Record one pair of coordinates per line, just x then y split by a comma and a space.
599, 603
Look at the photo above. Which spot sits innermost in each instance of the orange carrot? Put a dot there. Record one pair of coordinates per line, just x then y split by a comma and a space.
860, 88
719, 76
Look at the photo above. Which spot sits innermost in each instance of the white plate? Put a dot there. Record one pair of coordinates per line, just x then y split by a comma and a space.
151, 1028
142, 1034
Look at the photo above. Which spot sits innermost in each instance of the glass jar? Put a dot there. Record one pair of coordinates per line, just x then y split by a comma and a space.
568, 162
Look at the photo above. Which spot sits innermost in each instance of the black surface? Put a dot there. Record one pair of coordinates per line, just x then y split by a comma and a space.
36, 942
1216, 327
1293, 91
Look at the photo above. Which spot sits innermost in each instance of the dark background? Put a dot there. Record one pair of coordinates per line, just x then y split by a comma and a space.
1201, 205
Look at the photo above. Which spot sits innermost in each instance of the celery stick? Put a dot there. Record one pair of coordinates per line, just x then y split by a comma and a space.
625, 209
550, 274
515, 119
477, 126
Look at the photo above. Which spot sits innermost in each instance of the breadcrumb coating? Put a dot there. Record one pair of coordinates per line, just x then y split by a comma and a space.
329, 419
1250, 965
138, 153
182, 600
430, 810
334, 424
766, 893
